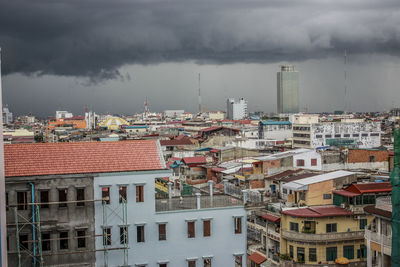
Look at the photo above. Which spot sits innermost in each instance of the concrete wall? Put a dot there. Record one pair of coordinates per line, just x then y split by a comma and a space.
307, 156
221, 245
54, 219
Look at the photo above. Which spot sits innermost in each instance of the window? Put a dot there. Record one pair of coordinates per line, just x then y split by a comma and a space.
327, 196
139, 193
362, 252
163, 265
284, 190
80, 197
328, 136
374, 134
23, 241
291, 251
331, 227
80, 234
363, 223
318, 136
206, 228
6, 201
140, 233
238, 260
338, 135
22, 200
207, 262
348, 252
62, 197
301, 254
312, 254
372, 158
238, 225
106, 236
191, 263
294, 227
331, 253
162, 231
191, 229
313, 162
44, 199
122, 194
123, 235
346, 135
105, 195
64, 240
364, 135
300, 162
356, 135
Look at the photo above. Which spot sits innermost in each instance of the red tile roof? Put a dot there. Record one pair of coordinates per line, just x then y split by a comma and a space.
317, 211
376, 211
257, 258
176, 142
189, 160
369, 188
210, 129
271, 218
83, 157
345, 193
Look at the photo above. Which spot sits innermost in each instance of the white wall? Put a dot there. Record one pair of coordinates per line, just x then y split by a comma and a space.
307, 156
222, 244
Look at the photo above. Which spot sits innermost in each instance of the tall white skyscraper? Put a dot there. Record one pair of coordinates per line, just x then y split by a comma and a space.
288, 90
236, 110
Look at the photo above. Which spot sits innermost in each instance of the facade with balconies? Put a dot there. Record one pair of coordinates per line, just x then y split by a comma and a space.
378, 234
320, 235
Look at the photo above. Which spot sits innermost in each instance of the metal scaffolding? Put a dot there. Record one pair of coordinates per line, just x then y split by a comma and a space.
21, 223
119, 212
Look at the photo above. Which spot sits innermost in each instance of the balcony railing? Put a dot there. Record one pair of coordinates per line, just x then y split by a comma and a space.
190, 203
322, 237
380, 239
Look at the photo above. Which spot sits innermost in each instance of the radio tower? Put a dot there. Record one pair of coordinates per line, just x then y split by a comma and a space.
345, 82
199, 96
146, 108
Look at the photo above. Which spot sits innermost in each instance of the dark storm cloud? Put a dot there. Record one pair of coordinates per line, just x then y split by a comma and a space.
93, 38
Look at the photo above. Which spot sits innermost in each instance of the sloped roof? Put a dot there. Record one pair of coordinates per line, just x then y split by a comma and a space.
370, 188
189, 160
257, 258
271, 218
317, 211
176, 142
82, 157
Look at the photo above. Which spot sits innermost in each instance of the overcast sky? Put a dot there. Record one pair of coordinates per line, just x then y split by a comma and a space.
110, 55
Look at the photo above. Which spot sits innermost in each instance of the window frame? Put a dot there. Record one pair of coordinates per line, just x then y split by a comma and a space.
139, 193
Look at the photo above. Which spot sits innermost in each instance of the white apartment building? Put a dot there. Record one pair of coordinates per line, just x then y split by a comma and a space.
236, 110
61, 114
201, 230
278, 130
350, 134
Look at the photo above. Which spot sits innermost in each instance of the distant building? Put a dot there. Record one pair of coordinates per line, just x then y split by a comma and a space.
26, 119
173, 114
91, 119
236, 110
339, 134
63, 114
278, 130
288, 90
7, 116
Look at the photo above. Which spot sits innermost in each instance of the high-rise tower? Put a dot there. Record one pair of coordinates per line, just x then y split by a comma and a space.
288, 90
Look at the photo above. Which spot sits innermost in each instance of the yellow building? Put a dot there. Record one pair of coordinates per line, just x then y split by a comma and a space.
113, 123
322, 234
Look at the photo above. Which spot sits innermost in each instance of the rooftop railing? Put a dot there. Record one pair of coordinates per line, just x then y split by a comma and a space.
322, 237
197, 202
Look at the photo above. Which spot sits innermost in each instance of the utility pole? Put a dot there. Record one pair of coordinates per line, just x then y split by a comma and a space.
199, 96
3, 230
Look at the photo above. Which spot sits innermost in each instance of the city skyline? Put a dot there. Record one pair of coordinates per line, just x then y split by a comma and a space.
61, 57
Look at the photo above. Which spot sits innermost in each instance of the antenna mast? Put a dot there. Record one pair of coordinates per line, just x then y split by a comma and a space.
199, 96
345, 81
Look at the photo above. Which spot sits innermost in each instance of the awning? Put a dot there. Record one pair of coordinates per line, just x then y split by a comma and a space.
271, 218
257, 258
345, 193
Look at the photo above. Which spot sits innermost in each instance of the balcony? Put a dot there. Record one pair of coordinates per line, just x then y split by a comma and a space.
303, 237
384, 240
192, 203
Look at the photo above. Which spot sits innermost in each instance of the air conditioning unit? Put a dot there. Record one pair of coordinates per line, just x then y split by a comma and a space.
356, 217
343, 205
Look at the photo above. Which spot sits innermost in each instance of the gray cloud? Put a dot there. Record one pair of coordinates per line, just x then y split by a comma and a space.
94, 38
